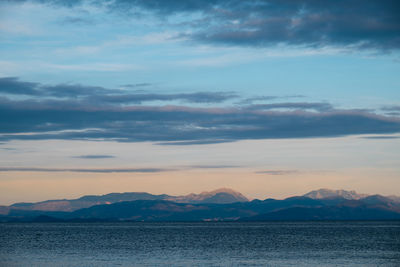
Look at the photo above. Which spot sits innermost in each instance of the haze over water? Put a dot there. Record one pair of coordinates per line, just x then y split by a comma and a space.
201, 244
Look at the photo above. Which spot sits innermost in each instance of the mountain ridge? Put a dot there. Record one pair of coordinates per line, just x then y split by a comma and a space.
208, 206
221, 195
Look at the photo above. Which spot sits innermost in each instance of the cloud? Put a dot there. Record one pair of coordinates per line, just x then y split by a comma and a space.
100, 95
75, 90
194, 142
78, 21
251, 100
11, 85
381, 137
79, 112
140, 170
363, 24
181, 124
278, 172
350, 24
214, 166
136, 85
393, 113
97, 95
294, 105
371, 24
391, 108
14, 86
94, 157
198, 97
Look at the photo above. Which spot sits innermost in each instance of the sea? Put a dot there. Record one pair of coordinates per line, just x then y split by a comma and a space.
200, 244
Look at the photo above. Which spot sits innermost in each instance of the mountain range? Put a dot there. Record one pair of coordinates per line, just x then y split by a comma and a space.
220, 196
218, 205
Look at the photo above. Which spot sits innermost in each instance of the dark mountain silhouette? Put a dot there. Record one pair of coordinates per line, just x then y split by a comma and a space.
218, 205
327, 213
4, 210
161, 210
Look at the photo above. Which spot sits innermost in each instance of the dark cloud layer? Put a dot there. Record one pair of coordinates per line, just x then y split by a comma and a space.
100, 95
11, 85
184, 124
91, 113
359, 23
14, 86
369, 24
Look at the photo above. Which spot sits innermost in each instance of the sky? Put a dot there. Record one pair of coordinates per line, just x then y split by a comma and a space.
269, 98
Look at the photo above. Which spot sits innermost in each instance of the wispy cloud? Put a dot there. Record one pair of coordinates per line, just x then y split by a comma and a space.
293, 105
136, 85
98, 96
214, 166
251, 100
391, 108
123, 170
278, 172
8, 148
381, 137
94, 157
95, 66
198, 97
194, 142
76, 20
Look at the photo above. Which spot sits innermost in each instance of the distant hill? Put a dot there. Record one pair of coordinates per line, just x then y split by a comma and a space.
328, 193
394, 198
332, 213
86, 201
220, 196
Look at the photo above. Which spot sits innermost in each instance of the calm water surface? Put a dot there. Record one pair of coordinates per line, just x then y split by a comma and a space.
201, 244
